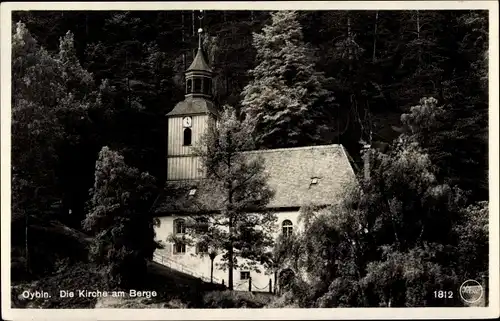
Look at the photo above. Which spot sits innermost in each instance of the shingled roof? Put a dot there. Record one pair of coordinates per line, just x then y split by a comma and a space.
199, 63
193, 105
299, 176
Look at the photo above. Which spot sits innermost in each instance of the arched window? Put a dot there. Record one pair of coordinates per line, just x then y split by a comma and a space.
189, 86
179, 226
287, 228
187, 136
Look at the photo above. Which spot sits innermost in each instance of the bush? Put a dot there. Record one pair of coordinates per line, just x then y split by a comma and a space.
233, 299
77, 277
286, 300
138, 303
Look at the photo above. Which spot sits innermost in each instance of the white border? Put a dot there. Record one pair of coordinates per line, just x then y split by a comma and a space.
278, 314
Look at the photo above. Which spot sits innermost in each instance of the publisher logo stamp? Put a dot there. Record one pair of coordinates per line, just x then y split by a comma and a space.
471, 291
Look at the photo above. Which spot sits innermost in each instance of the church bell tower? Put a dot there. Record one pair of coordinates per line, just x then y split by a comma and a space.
189, 119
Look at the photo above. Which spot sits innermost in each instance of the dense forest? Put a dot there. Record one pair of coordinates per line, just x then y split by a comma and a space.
84, 80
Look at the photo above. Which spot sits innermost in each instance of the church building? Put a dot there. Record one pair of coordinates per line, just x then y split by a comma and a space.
300, 176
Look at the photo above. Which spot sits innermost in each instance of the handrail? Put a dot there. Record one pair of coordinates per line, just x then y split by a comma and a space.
165, 260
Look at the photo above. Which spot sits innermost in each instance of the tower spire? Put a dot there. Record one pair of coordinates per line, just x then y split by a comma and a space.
199, 38
199, 73
200, 29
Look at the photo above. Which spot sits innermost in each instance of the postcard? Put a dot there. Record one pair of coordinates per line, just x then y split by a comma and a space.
248, 160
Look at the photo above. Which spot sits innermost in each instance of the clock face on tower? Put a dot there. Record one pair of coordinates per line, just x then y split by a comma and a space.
186, 121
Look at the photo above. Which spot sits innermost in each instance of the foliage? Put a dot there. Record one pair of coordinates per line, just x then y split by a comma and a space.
431, 126
393, 240
137, 303
53, 98
279, 257
473, 244
120, 219
285, 103
409, 279
283, 301
233, 300
75, 277
36, 88
243, 226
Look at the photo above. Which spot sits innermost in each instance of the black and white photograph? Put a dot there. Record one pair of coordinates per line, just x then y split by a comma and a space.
246, 157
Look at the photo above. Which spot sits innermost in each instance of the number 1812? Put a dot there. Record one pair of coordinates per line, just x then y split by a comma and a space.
443, 294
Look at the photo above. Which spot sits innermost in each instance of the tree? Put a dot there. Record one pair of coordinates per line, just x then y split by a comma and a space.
36, 90
120, 220
423, 57
142, 74
285, 104
242, 228
473, 244
230, 54
392, 240
279, 256
51, 99
465, 96
454, 135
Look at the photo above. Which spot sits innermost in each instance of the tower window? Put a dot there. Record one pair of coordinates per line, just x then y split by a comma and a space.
287, 228
197, 85
206, 86
189, 86
187, 137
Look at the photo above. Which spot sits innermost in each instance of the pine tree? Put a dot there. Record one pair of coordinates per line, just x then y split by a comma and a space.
141, 73
285, 103
243, 226
466, 101
423, 59
80, 111
343, 59
120, 220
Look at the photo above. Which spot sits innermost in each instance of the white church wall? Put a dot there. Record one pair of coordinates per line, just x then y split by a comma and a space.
201, 265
